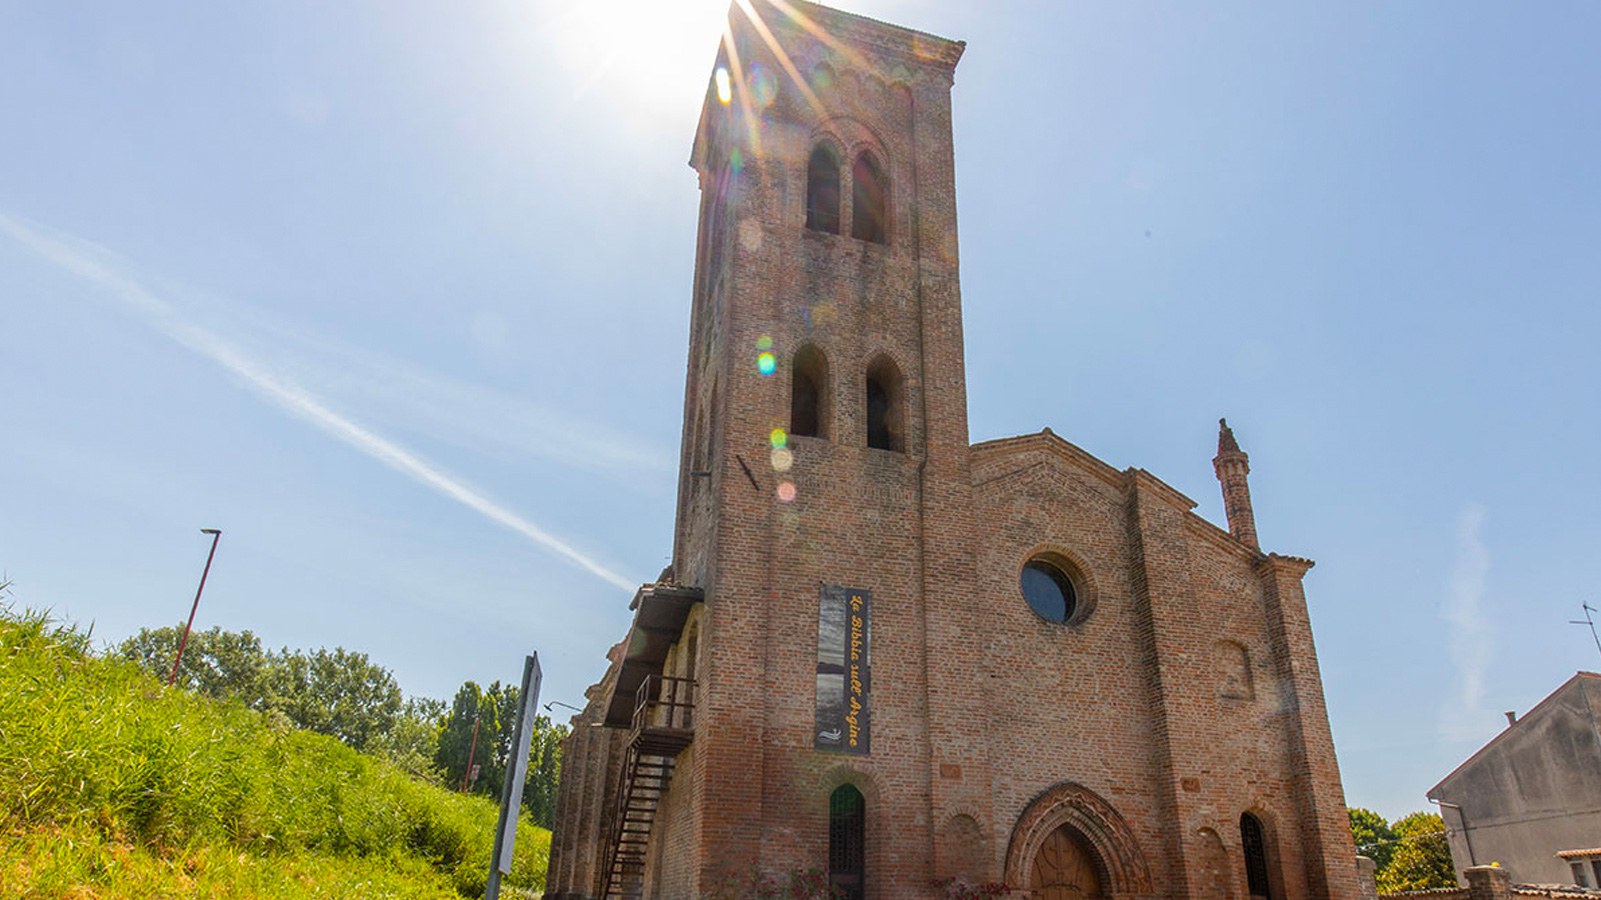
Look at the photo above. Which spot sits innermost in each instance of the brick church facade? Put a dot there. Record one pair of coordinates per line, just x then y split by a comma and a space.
888, 654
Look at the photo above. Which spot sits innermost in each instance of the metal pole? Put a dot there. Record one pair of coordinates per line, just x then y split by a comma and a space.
511, 791
1590, 622
470, 751
1463, 818
216, 535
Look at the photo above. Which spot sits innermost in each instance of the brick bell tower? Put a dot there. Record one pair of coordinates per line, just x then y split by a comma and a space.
825, 451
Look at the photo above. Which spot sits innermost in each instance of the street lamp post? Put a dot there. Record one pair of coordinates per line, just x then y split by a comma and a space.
216, 535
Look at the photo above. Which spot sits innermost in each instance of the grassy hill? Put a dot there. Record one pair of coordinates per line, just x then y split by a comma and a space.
114, 786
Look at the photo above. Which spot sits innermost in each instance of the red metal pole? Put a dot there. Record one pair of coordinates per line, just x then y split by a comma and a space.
216, 535
470, 751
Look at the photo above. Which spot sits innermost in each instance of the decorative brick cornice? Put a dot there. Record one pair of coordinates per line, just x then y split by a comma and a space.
905, 44
1296, 566
1138, 478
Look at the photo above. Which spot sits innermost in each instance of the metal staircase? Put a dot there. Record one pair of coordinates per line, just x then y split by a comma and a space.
663, 727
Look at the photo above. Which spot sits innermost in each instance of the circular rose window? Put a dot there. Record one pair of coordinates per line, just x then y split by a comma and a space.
1048, 590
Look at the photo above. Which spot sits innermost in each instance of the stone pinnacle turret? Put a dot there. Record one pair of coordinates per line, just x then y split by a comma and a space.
1232, 466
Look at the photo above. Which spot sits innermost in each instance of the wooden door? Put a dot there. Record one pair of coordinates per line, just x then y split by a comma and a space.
1066, 869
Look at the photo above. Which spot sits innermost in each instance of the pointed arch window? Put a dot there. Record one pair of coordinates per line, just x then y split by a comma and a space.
847, 842
886, 428
822, 190
808, 396
869, 196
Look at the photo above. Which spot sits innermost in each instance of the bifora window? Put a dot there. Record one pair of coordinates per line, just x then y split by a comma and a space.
822, 190
868, 196
1048, 590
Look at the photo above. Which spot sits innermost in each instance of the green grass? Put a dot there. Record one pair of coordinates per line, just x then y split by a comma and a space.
113, 785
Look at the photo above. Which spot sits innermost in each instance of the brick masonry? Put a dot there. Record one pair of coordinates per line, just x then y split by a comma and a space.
1183, 694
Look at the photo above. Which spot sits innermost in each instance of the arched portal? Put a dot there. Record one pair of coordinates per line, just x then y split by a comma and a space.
1066, 868
1069, 822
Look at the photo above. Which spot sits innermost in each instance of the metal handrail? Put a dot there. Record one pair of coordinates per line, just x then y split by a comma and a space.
665, 701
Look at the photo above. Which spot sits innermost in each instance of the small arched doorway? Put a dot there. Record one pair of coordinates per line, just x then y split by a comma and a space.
847, 842
1066, 868
1254, 844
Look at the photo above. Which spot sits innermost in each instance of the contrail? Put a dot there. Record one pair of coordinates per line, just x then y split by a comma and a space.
79, 258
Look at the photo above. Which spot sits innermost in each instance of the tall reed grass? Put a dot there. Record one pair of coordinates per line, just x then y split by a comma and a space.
95, 749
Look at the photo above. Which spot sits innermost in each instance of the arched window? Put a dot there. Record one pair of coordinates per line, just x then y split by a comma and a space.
822, 190
869, 195
885, 421
1233, 664
1254, 844
847, 842
808, 396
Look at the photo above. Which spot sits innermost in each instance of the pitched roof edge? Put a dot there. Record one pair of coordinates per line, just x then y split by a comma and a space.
1432, 793
1054, 443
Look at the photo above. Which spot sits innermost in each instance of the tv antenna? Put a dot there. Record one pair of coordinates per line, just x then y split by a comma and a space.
1590, 621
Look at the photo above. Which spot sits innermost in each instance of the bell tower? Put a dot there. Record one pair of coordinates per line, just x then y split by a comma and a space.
825, 423
826, 317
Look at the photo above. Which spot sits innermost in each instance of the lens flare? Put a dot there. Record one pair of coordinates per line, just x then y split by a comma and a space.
783, 458
736, 160
822, 78
778, 438
762, 85
750, 235
766, 364
786, 492
725, 90
765, 342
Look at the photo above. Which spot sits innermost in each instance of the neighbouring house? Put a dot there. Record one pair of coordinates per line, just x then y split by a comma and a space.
1530, 799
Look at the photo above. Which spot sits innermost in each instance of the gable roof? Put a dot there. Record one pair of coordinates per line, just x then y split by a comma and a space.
1534, 713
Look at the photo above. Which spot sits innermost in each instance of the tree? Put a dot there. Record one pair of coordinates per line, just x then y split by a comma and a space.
342, 693
496, 709
1422, 858
224, 665
456, 737
504, 699
1372, 836
412, 742
544, 771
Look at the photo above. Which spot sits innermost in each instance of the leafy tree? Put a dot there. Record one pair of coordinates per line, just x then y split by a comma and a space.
456, 737
504, 698
224, 665
413, 741
496, 709
544, 771
342, 693
1422, 858
1372, 836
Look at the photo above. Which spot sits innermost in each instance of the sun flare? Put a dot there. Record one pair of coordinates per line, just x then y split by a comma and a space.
647, 57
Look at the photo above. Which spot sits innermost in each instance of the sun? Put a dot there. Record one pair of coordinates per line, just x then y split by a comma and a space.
649, 57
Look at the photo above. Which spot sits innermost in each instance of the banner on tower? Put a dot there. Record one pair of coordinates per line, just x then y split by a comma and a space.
844, 669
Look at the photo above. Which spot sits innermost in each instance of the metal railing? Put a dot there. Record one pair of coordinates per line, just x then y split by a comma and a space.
665, 701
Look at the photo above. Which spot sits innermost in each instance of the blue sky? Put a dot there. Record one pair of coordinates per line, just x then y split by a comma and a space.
396, 294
